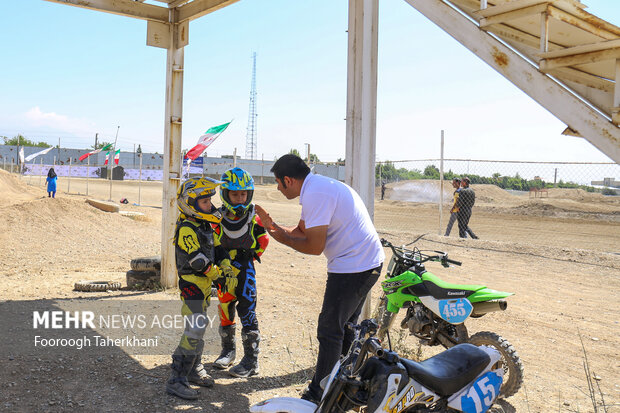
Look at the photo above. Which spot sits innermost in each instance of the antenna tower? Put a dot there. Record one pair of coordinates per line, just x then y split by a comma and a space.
250, 138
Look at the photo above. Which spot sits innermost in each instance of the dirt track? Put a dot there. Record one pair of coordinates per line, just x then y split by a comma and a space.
565, 279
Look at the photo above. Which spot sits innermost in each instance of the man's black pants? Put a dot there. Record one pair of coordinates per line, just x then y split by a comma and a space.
342, 303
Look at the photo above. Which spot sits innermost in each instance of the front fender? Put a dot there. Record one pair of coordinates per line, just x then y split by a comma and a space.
283, 405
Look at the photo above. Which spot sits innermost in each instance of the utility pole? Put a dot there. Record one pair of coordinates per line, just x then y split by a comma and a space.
58, 151
96, 136
251, 138
111, 161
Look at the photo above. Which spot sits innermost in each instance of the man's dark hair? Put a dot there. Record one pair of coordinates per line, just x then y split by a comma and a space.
290, 165
456, 179
466, 180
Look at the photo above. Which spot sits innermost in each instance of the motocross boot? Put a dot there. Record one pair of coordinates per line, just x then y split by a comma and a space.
198, 375
228, 354
177, 384
249, 363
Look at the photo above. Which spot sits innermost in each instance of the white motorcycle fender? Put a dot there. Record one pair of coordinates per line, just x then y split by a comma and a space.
283, 405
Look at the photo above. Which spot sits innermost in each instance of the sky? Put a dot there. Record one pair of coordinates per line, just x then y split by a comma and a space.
69, 73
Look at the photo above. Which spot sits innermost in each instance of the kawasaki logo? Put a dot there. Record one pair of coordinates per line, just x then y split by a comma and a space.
456, 292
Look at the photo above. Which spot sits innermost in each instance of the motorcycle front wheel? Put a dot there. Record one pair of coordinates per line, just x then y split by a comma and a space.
384, 317
510, 361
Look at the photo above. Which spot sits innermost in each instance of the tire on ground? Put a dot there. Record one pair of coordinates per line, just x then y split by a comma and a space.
146, 263
512, 362
94, 286
141, 278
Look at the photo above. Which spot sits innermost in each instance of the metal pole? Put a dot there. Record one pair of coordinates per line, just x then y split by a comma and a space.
262, 166
140, 182
235, 158
441, 185
87, 173
555, 177
111, 162
69, 179
41, 171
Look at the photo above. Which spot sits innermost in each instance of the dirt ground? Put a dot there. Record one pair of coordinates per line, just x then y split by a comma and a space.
559, 255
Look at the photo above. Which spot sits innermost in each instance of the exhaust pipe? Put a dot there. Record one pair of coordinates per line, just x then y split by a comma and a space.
482, 308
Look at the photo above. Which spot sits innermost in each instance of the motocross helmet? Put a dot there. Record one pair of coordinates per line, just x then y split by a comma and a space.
236, 179
190, 192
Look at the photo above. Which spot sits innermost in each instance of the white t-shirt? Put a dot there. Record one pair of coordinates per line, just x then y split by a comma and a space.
352, 243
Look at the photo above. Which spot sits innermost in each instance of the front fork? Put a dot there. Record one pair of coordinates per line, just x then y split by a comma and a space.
384, 318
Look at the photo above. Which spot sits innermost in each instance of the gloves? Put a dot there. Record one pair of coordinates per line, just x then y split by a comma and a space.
230, 277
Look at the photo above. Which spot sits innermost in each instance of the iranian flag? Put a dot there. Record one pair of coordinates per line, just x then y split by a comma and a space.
104, 148
117, 155
205, 140
107, 156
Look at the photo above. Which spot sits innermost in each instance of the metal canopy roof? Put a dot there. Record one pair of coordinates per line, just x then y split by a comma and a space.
153, 10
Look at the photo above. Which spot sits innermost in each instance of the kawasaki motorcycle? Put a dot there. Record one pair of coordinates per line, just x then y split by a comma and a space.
369, 379
437, 310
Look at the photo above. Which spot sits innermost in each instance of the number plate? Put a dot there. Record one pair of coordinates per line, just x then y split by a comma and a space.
455, 311
482, 393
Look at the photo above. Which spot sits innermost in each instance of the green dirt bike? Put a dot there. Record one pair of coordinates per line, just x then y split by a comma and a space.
437, 310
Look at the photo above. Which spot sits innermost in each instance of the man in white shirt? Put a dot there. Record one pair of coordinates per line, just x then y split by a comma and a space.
334, 221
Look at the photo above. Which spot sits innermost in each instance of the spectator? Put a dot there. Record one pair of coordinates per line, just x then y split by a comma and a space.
456, 184
51, 180
465, 203
382, 189
334, 221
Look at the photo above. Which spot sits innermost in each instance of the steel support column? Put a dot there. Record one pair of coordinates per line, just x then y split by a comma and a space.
172, 149
362, 105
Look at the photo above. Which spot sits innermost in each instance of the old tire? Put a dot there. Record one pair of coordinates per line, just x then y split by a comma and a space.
142, 278
94, 286
511, 362
146, 263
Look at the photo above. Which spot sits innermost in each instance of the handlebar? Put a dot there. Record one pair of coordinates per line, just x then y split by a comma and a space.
417, 256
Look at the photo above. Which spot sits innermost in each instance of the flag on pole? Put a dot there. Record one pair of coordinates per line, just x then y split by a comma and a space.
205, 140
34, 155
107, 156
117, 156
105, 148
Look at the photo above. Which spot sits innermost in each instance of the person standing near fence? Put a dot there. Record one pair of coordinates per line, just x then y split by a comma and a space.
51, 180
456, 184
465, 203
334, 221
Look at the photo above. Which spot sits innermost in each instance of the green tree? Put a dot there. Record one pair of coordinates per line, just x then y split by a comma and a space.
294, 152
22, 141
431, 171
101, 145
313, 158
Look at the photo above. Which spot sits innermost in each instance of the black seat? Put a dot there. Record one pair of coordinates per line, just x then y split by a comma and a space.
450, 370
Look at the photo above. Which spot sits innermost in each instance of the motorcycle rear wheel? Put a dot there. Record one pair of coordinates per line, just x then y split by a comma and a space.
511, 362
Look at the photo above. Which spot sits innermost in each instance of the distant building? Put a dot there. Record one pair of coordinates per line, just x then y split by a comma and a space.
608, 182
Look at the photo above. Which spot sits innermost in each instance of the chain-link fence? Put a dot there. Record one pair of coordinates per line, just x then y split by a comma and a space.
557, 204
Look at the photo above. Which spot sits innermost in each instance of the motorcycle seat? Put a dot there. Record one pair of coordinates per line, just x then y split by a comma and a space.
441, 289
449, 371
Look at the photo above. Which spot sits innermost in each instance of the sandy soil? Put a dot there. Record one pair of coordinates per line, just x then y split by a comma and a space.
559, 255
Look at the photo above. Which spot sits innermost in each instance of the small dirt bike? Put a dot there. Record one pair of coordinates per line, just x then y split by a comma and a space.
371, 379
437, 310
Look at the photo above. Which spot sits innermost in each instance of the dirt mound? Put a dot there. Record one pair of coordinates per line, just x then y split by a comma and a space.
75, 233
14, 191
581, 195
426, 190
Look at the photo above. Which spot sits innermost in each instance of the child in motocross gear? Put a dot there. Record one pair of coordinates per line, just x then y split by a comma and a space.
242, 234
197, 254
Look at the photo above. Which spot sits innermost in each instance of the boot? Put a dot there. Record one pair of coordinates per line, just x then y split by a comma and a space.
198, 375
177, 384
249, 363
228, 354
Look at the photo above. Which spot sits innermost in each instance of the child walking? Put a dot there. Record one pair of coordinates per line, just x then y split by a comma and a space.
197, 254
51, 183
242, 234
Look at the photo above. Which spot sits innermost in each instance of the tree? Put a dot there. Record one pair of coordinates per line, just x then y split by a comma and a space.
294, 152
431, 171
20, 140
313, 158
101, 145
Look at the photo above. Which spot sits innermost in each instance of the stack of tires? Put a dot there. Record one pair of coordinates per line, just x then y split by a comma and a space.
145, 273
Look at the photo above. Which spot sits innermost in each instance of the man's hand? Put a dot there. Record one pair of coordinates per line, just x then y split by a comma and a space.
265, 218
